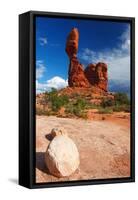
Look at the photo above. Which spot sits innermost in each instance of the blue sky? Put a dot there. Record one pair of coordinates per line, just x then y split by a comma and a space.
99, 41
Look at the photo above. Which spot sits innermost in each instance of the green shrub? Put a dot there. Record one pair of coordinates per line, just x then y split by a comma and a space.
121, 98
107, 103
41, 111
119, 108
58, 101
81, 104
105, 111
120, 103
77, 108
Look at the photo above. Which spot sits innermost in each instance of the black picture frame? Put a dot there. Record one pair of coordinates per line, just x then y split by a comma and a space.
27, 99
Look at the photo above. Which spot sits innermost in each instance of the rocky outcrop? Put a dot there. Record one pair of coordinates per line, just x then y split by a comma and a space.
97, 75
101, 75
62, 156
90, 73
93, 75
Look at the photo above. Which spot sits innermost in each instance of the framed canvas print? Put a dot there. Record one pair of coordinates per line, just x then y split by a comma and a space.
76, 99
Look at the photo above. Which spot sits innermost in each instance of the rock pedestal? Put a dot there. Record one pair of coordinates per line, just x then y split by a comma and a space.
76, 76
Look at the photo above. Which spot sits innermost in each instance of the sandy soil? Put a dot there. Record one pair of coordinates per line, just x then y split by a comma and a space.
104, 146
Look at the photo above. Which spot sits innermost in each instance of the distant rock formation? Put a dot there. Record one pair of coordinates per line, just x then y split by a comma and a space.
94, 74
97, 75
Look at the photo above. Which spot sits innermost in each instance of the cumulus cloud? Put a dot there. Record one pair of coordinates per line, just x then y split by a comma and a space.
42, 41
40, 69
118, 59
55, 82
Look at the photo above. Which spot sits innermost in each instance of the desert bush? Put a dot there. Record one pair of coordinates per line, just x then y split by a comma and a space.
81, 104
120, 103
105, 110
41, 111
55, 101
107, 103
77, 108
119, 108
58, 101
73, 109
121, 98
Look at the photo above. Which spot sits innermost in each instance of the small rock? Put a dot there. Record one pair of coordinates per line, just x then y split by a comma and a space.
58, 131
62, 156
103, 117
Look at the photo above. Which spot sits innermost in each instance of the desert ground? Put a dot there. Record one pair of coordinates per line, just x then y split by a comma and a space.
103, 144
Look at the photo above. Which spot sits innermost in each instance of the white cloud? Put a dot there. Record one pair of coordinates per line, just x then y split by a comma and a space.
40, 69
42, 41
55, 82
118, 59
125, 38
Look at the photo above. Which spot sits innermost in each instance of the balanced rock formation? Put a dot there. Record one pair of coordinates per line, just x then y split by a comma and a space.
76, 76
72, 43
93, 75
58, 131
62, 156
97, 75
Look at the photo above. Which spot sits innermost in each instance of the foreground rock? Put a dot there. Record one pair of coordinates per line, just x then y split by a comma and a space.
62, 156
58, 131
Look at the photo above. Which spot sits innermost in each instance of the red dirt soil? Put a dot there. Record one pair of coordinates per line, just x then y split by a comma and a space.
103, 144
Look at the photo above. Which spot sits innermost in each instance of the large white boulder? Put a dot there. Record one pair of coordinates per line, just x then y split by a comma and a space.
62, 156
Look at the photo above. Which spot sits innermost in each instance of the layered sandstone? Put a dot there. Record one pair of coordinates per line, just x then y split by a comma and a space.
97, 75
76, 76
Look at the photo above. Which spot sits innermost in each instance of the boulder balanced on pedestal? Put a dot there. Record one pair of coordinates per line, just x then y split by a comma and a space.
76, 76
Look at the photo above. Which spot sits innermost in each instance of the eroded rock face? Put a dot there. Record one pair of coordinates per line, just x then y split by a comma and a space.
90, 73
62, 156
97, 75
101, 75
76, 76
